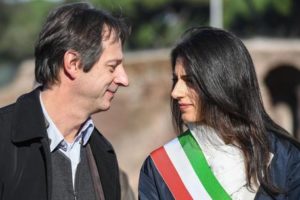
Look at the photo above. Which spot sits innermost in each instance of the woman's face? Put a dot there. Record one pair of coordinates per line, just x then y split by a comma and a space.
185, 94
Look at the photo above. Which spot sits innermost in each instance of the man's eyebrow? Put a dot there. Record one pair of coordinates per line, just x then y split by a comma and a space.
118, 60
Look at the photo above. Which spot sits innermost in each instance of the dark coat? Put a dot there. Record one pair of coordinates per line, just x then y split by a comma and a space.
25, 168
284, 170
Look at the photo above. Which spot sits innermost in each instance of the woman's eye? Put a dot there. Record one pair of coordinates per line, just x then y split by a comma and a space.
187, 79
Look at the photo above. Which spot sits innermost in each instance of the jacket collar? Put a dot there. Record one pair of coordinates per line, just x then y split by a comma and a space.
29, 124
28, 121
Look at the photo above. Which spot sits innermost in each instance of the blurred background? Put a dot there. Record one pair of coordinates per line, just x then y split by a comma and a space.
139, 120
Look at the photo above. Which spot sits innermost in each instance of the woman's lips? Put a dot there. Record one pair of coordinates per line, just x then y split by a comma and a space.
184, 106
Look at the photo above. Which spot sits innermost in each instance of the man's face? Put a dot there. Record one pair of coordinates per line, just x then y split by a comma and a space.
98, 86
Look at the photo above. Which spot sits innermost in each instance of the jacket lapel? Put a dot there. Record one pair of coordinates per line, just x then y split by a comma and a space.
29, 132
107, 165
29, 127
277, 171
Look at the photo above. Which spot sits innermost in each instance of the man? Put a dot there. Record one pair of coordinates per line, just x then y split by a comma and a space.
49, 148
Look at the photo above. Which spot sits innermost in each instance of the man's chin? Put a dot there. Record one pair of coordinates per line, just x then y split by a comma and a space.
105, 107
101, 109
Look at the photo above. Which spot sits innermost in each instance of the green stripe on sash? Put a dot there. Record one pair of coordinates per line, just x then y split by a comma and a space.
201, 167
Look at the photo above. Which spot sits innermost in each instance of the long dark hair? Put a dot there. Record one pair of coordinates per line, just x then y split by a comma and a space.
76, 26
224, 77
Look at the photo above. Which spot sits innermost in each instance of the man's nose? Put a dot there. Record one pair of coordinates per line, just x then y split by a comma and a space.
121, 77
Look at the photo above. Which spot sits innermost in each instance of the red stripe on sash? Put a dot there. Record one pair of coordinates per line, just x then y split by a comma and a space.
169, 174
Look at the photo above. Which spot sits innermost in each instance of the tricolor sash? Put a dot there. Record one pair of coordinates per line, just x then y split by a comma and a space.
183, 167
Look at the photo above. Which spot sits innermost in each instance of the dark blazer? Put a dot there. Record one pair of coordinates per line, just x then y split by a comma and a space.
284, 171
25, 166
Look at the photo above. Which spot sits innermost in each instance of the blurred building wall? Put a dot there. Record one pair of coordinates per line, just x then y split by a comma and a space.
139, 120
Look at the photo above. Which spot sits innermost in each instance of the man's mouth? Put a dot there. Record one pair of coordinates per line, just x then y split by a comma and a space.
112, 91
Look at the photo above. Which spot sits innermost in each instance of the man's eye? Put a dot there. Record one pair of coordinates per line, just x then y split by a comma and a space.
112, 68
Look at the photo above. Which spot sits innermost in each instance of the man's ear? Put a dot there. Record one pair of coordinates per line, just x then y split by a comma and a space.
71, 64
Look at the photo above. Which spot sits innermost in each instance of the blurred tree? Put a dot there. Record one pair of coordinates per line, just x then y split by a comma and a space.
271, 18
20, 24
158, 23
155, 23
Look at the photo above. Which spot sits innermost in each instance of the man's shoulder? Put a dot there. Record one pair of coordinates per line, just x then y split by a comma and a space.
11, 107
6, 121
98, 139
6, 114
7, 109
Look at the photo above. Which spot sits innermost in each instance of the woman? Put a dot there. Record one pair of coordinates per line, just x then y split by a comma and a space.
231, 148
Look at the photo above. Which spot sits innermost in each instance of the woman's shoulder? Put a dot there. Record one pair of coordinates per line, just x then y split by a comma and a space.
286, 158
151, 184
148, 166
285, 167
284, 145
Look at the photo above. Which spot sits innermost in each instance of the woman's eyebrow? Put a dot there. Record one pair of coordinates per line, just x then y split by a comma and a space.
186, 76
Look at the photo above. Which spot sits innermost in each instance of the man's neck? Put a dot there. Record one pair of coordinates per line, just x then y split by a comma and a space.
65, 112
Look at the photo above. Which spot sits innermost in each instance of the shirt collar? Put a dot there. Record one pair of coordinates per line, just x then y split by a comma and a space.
226, 161
87, 130
55, 135
206, 136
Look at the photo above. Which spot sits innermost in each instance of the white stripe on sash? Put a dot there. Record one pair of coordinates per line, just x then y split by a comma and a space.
185, 170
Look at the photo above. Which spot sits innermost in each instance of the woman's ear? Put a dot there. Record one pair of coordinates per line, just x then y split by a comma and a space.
71, 64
